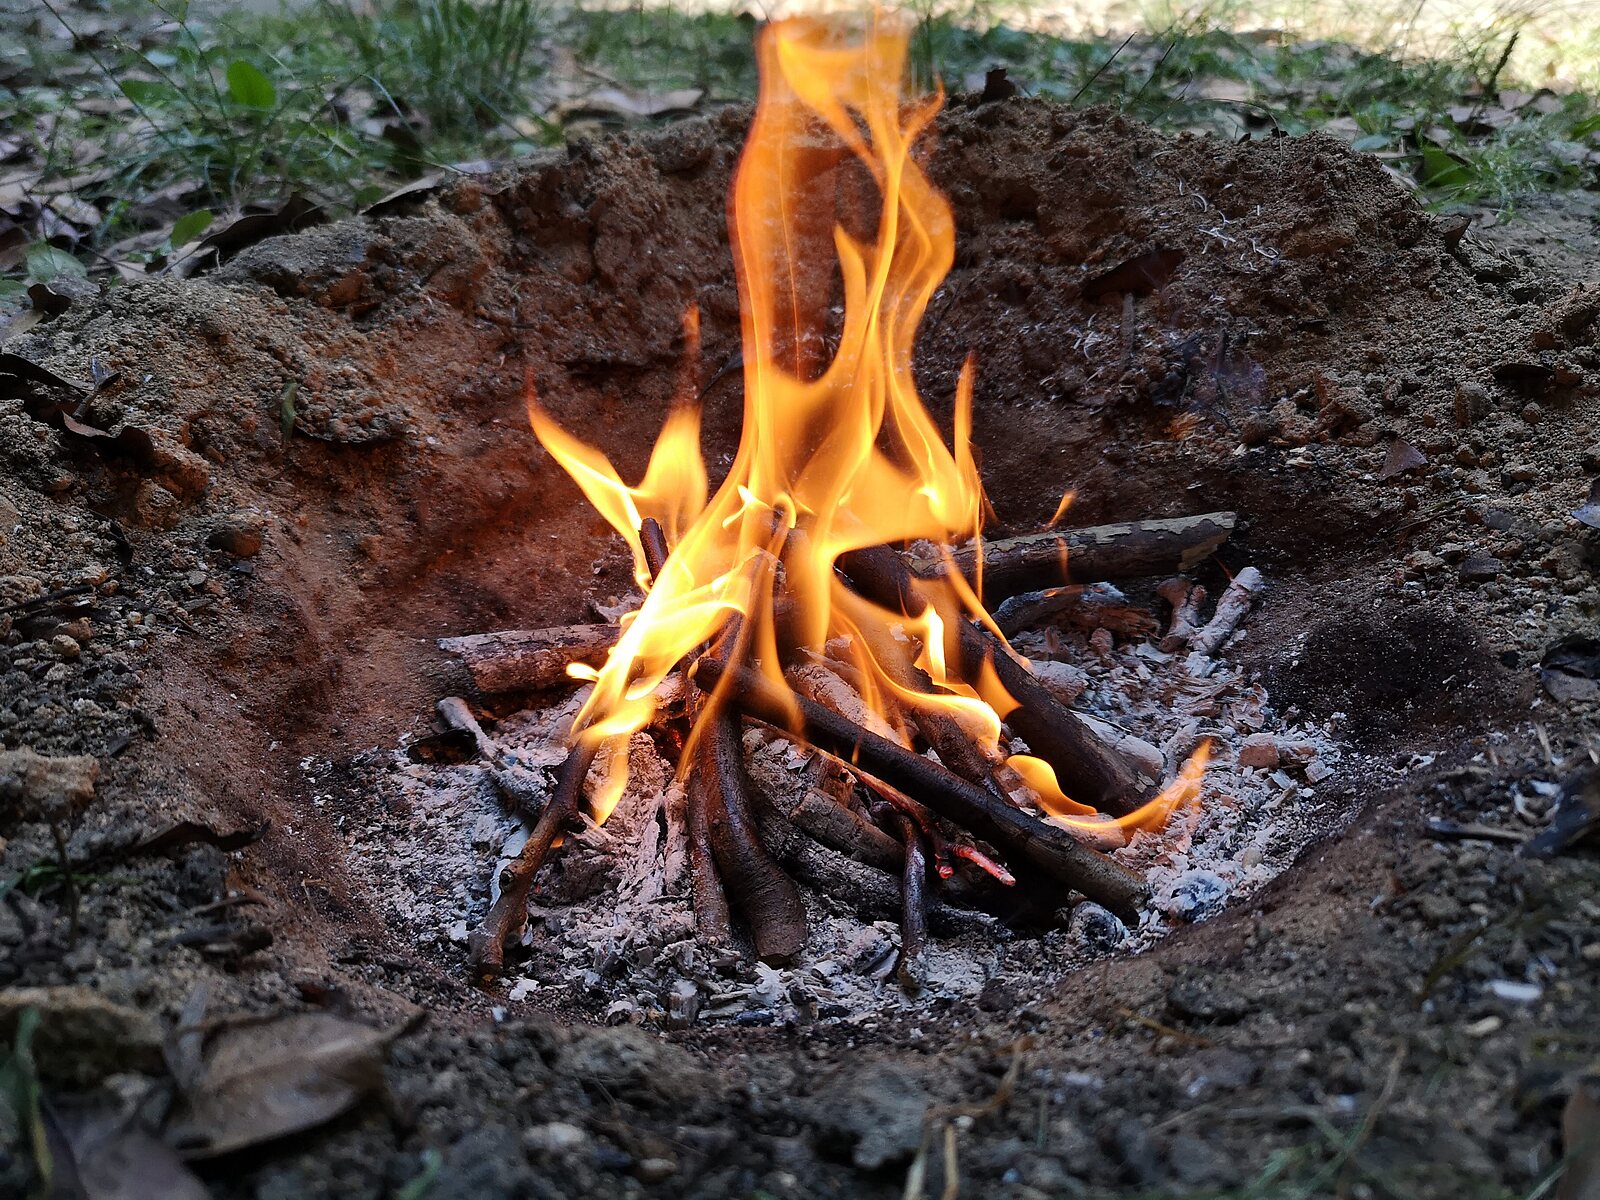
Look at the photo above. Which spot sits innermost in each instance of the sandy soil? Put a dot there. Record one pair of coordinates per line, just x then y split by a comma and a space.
317, 463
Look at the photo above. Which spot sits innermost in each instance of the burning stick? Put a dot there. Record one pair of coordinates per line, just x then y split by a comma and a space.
1012, 566
1231, 608
530, 659
912, 972
1046, 847
1086, 768
654, 542
508, 916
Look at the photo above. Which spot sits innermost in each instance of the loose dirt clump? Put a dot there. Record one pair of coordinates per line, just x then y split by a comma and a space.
275, 485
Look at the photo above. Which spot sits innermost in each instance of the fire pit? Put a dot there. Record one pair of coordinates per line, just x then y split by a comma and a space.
906, 760
904, 819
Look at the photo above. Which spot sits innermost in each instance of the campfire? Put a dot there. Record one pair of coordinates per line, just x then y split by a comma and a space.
834, 593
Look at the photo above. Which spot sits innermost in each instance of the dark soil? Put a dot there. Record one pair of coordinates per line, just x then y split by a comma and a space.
329, 467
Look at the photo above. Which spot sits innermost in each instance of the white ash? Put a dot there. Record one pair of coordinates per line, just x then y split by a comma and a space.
611, 927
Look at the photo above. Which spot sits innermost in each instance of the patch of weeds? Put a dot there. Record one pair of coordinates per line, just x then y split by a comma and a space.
665, 48
456, 67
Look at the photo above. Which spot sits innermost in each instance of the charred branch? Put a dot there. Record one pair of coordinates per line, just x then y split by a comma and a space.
1047, 848
1087, 768
764, 896
507, 917
654, 541
912, 970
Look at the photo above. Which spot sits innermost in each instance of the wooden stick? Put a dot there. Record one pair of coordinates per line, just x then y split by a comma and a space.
765, 897
654, 542
1012, 566
518, 660
1047, 847
711, 917
508, 916
912, 971
1231, 608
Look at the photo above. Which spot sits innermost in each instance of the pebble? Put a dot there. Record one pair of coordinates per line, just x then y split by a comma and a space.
1480, 567
240, 536
1515, 992
554, 1138
65, 647
1095, 927
655, 1170
1197, 895
1259, 750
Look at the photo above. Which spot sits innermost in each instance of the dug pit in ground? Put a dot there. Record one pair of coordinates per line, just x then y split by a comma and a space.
329, 469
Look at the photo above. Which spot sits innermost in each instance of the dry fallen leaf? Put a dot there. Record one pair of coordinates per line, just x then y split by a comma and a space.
1402, 457
1589, 511
263, 1079
102, 1154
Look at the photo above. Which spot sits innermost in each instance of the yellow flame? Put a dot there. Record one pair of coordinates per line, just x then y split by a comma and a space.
837, 452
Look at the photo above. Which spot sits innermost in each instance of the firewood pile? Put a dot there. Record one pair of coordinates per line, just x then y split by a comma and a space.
903, 810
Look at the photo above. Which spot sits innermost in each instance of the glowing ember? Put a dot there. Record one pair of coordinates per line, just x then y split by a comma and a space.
838, 453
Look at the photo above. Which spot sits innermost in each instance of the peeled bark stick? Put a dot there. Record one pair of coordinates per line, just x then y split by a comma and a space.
764, 896
912, 971
1012, 566
521, 790
1047, 847
1087, 769
528, 659
1231, 608
486, 945
1185, 599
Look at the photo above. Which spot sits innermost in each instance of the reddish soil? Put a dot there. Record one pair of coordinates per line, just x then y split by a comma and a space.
1167, 325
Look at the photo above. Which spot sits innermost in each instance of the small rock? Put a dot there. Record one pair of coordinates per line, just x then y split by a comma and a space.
154, 507
1520, 472
1259, 750
35, 785
554, 1139
239, 535
65, 647
1317, 771
1480, 567
655, 1170
1197, 895
1472, 403
1096, 928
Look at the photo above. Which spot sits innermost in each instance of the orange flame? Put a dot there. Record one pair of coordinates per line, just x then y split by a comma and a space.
835, 455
